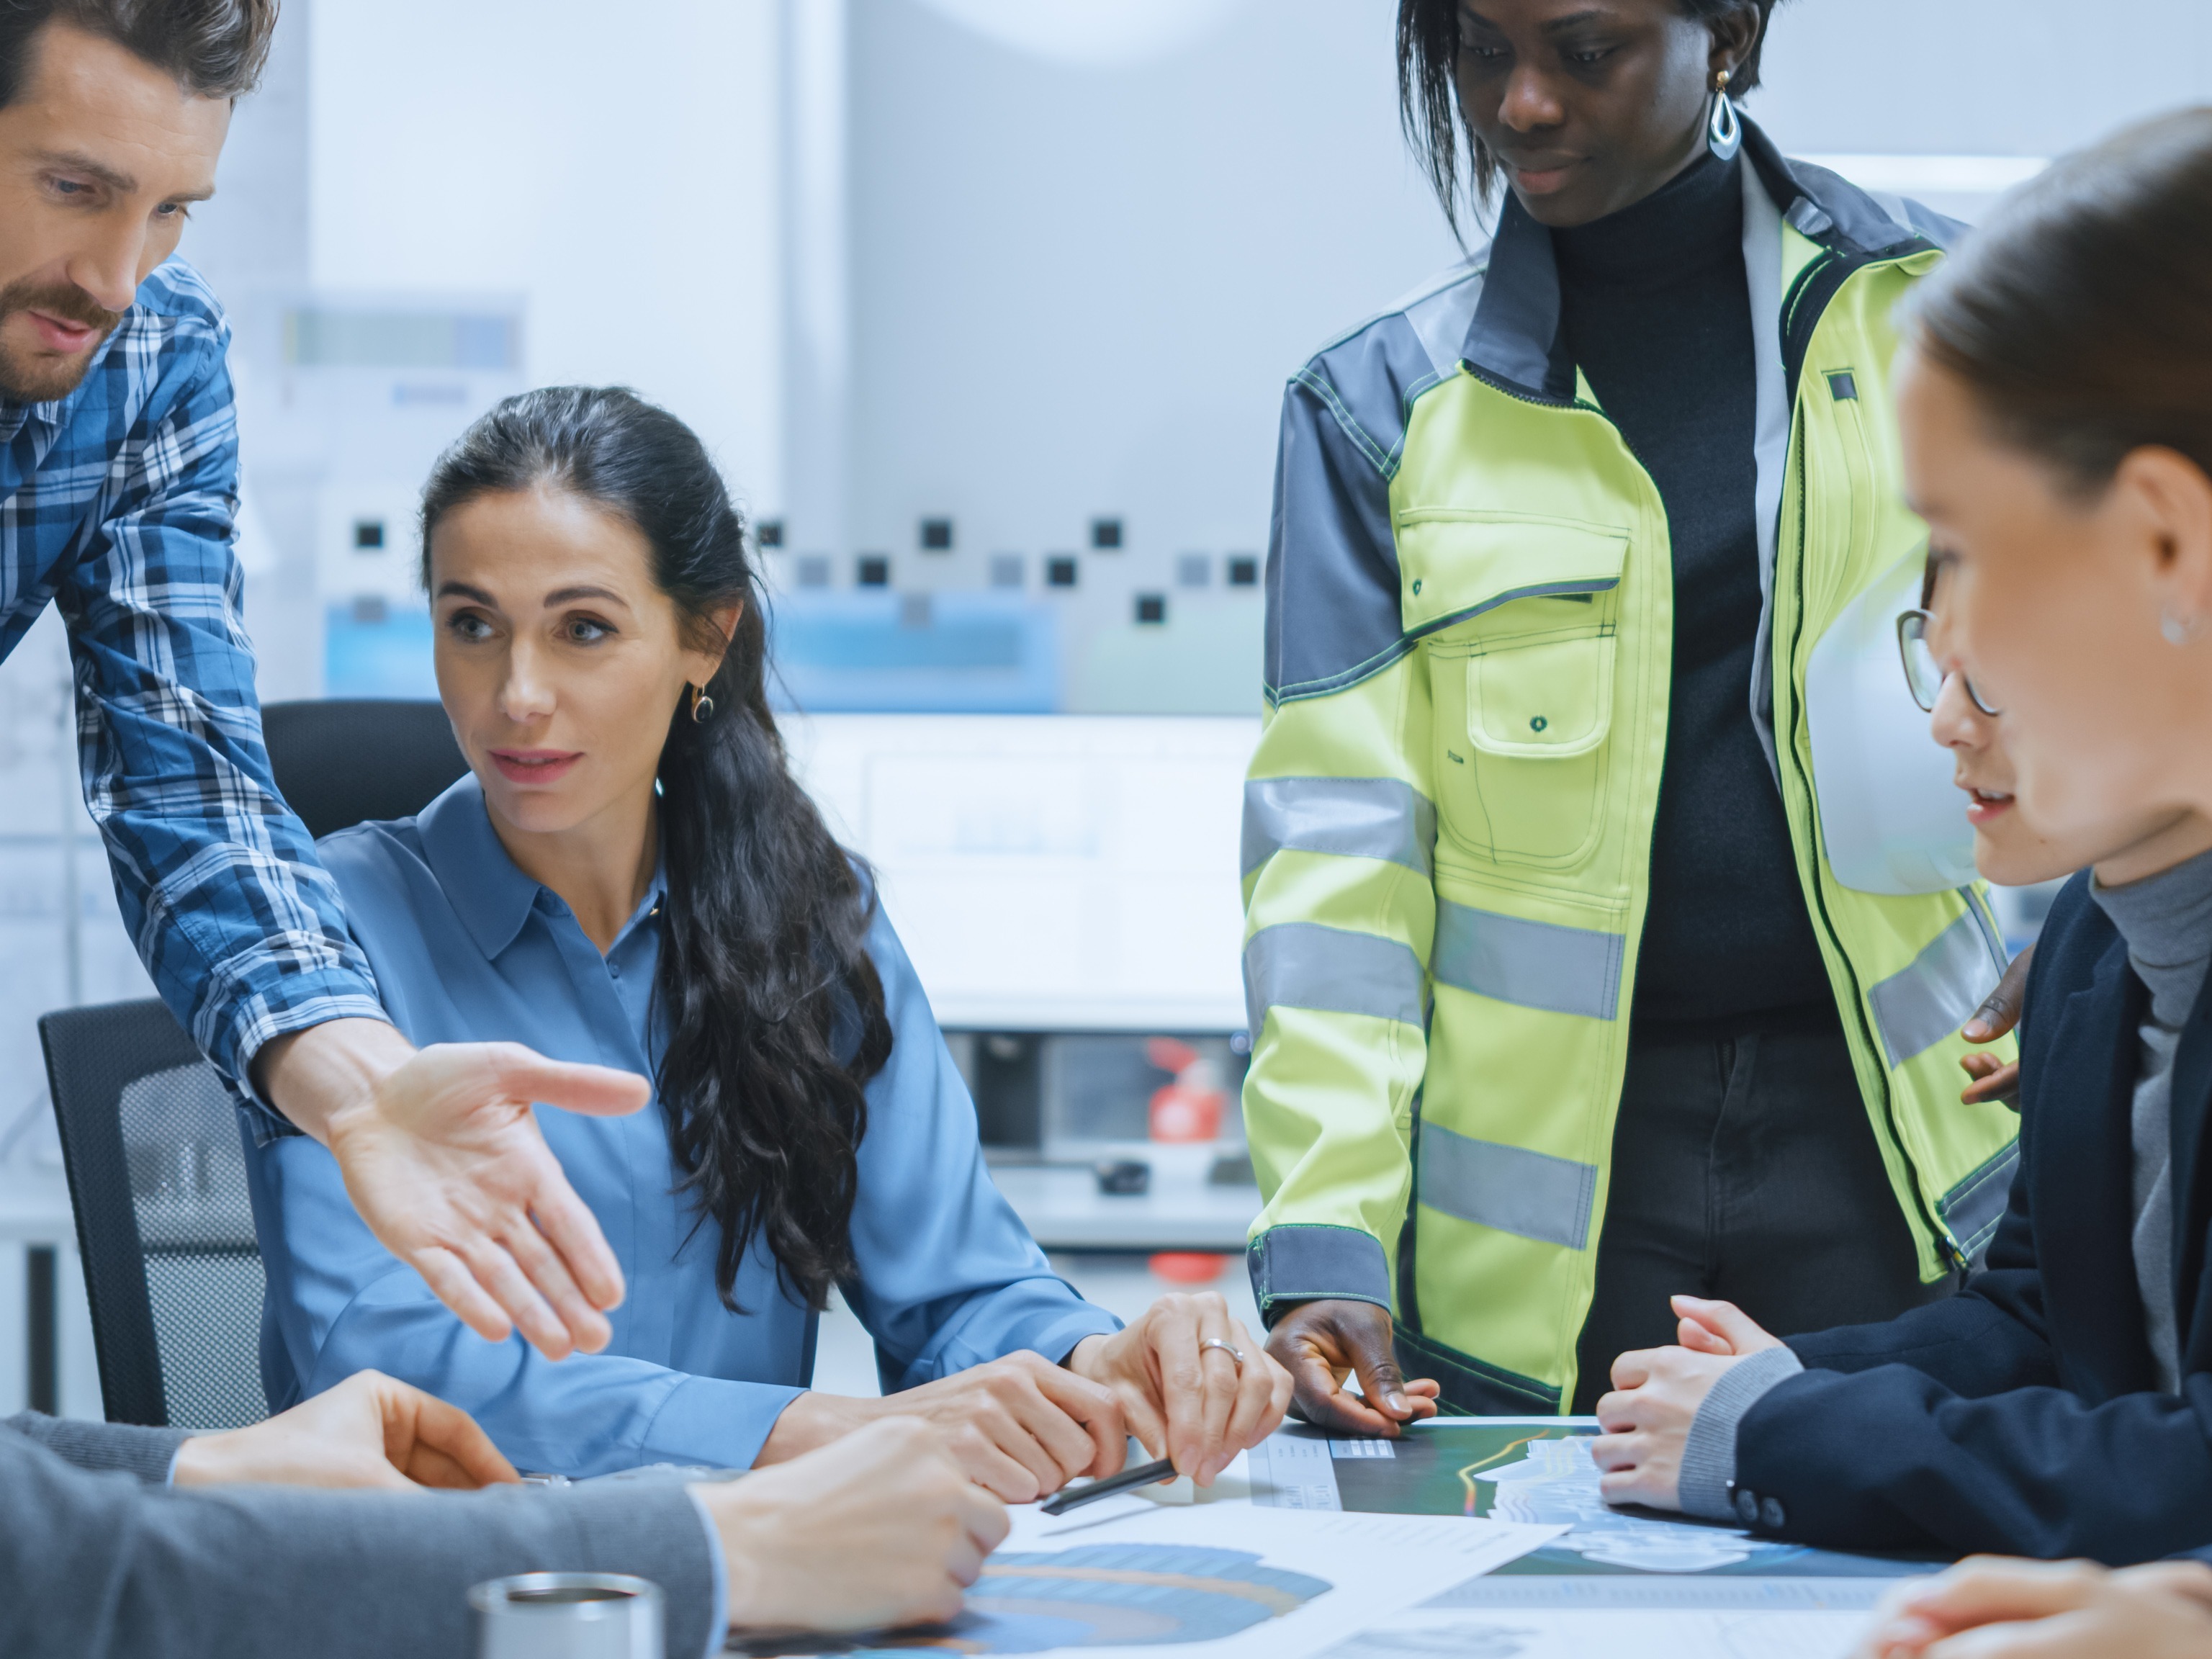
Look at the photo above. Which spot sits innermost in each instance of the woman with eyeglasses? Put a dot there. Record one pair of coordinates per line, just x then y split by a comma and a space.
1558, 1006
2056, 402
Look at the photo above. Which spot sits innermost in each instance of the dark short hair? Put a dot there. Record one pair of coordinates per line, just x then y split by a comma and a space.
1428, 102
2078, 313
212, 48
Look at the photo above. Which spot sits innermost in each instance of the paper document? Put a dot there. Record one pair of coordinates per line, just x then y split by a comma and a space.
1538, 1469
1127, 1576
1431, 1634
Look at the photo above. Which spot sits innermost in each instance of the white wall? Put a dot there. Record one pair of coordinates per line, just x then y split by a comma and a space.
1977, 77
615, 164
1078, 287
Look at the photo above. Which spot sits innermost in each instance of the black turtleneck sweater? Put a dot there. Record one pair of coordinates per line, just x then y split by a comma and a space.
1656, 310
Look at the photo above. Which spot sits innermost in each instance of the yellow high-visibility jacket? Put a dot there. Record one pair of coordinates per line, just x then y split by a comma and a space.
1448, 823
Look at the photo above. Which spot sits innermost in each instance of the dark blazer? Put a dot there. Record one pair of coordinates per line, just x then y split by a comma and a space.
2022, 1414
99, 1560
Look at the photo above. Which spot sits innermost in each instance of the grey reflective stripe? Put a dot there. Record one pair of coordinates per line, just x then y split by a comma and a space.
1305, 1263
1302, 964
1919, 1006
1536, 964
1533, 1194
1356, 817
1973, 1209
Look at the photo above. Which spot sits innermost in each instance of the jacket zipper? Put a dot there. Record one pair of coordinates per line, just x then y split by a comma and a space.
1867, 1034
1829, 270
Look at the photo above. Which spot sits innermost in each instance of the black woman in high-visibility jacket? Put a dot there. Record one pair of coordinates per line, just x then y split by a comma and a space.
1559, 1004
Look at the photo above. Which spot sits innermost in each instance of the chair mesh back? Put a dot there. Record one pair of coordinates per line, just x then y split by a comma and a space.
203, 1282
157, 1178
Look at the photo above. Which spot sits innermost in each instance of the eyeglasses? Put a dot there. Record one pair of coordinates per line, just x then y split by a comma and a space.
1921, 671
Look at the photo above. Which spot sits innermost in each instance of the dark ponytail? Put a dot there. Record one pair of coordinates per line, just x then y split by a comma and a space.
772, 1008
2081, 313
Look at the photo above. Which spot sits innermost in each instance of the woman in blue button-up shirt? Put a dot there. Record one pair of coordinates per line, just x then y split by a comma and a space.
630, 876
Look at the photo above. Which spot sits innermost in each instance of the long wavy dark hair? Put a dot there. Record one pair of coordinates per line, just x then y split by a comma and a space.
771, 1004
1428, 100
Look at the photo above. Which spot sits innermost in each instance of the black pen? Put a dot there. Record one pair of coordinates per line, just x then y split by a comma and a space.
1144, 1474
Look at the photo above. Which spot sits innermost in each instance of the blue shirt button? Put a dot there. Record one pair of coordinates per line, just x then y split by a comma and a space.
1771, 1514
1746, 1506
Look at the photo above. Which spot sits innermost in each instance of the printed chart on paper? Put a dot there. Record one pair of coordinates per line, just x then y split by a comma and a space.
1538, 1471
1244, 1582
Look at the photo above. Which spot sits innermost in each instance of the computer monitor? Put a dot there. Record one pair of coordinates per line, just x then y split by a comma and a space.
1050, 872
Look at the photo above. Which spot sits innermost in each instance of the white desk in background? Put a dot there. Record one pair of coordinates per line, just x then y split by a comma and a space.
1181, 1210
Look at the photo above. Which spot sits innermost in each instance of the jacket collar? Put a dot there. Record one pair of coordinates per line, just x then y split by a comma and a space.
2081, 1118
1514, 338
490, 895
2190, 1093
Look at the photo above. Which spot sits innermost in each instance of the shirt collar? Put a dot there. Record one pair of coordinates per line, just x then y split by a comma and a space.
491, 895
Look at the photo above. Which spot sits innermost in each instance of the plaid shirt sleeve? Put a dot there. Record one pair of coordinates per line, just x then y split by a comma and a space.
240, 925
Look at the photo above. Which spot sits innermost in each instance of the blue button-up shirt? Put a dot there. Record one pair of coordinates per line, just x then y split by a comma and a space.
116, 504
467, 948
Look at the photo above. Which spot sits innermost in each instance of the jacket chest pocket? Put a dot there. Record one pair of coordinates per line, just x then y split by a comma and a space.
1521, 678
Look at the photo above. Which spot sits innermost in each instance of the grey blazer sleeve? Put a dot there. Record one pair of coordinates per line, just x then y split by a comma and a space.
100, 1567
146, 1453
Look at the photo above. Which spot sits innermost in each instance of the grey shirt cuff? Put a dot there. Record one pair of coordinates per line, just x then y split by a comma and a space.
1709, 1455
147, 1453
1312, 1262
718, 1626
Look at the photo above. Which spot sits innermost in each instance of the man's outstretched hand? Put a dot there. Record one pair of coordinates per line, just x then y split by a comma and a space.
443, 1157
1321, 1343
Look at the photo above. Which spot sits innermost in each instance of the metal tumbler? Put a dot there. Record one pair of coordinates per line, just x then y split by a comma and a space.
568, 1615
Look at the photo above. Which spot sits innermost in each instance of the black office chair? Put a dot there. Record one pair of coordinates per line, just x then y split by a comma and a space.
151, 1137
342, 762
157, 1178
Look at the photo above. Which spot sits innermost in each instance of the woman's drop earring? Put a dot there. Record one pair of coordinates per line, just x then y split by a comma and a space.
702, 706
1724, 133
2178, 631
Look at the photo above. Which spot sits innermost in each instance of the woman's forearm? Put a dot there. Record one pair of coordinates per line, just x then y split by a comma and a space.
814, 1420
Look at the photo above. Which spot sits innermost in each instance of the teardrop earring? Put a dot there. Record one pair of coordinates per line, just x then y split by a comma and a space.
702, 706
2178, 631
1724, 132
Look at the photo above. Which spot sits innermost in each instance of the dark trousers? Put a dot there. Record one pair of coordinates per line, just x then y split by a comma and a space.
1744, 1168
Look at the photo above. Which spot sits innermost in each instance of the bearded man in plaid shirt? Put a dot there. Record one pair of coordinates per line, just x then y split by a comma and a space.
119, 486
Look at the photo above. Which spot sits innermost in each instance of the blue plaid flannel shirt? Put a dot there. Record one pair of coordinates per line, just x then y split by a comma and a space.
117, 503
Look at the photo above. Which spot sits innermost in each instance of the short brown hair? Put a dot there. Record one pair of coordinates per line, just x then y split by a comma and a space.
213, 48
2080, 314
